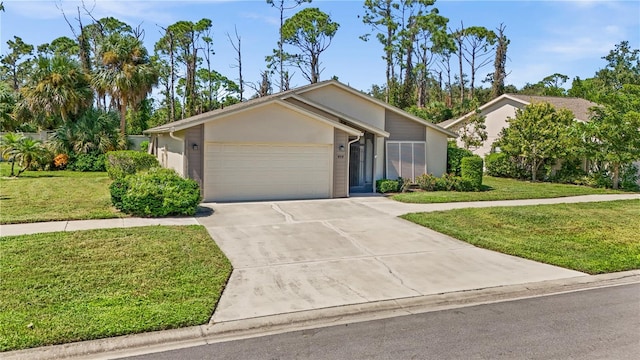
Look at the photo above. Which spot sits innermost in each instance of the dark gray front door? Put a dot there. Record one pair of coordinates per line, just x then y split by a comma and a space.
361, 164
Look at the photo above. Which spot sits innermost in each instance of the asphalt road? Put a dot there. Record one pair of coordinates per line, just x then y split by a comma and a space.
593, 324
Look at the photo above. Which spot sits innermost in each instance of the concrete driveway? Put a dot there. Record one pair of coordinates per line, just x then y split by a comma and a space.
293, 256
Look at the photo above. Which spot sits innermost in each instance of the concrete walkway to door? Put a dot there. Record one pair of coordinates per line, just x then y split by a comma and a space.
293, 256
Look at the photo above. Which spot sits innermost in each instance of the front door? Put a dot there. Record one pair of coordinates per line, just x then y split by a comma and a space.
361, 165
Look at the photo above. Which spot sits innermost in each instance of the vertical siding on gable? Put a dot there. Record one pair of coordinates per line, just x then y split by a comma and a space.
403, 129
340, 164
436, 152
312, 109
194, 158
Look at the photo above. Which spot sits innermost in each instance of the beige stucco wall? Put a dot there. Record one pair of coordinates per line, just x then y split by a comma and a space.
171, 151
348, 104
273, 123
495, 121
436, 152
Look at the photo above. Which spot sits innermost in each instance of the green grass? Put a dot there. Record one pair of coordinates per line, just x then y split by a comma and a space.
54, 195
502, 189
594, 238
73, 286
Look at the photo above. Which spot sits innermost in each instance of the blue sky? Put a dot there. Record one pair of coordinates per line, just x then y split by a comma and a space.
567, 37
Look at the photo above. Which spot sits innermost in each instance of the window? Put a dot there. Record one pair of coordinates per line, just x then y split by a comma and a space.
406, 159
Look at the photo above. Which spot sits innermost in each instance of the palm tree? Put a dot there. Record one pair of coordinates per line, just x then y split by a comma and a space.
9, 145
59, 88
127, 74
27, 152
94, 131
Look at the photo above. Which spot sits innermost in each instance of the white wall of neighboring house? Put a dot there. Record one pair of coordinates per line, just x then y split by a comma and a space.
495, 121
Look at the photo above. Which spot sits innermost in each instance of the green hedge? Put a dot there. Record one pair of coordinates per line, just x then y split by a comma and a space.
86, 162
387, 186
454, 157
127, 162
155, 193
501, 165
471, 168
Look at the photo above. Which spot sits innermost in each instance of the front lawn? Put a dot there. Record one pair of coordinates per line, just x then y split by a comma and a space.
594, 238
54, 195
72, 286
502, 189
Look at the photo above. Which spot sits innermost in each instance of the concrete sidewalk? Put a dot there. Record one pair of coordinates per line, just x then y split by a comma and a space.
379, 203
73, 225
396, 208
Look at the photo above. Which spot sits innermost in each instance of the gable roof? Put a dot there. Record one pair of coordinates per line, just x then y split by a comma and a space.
278, 97
579, 107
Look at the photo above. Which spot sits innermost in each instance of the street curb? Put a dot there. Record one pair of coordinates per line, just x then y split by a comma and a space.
137, 344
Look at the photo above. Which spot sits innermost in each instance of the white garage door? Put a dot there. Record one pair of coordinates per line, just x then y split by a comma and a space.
236, 172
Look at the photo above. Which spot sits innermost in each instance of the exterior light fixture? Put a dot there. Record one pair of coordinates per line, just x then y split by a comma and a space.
341, 147
194, 147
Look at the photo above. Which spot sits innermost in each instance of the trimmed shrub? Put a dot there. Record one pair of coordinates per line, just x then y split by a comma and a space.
386, 186
501, 165
87, 162
144, 146
446, 183
426, 182
118, 189
464, 184
454, 157
471, 169
155, 193
126, 162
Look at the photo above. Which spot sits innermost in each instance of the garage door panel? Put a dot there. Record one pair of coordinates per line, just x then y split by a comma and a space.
236, 172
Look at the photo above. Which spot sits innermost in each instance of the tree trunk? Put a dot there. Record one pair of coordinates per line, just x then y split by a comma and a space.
314, 69
123, 117
534, 170
172, 79
616, 175
473, 75
389, 51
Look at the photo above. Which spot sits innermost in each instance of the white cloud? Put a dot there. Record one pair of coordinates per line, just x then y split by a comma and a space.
271, 20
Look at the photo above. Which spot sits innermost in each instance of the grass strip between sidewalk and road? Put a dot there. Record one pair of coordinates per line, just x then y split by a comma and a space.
72, 286
38, 196
595, 238
502, 189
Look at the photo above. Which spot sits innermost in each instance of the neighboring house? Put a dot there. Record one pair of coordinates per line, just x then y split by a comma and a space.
324, 140
499, 109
